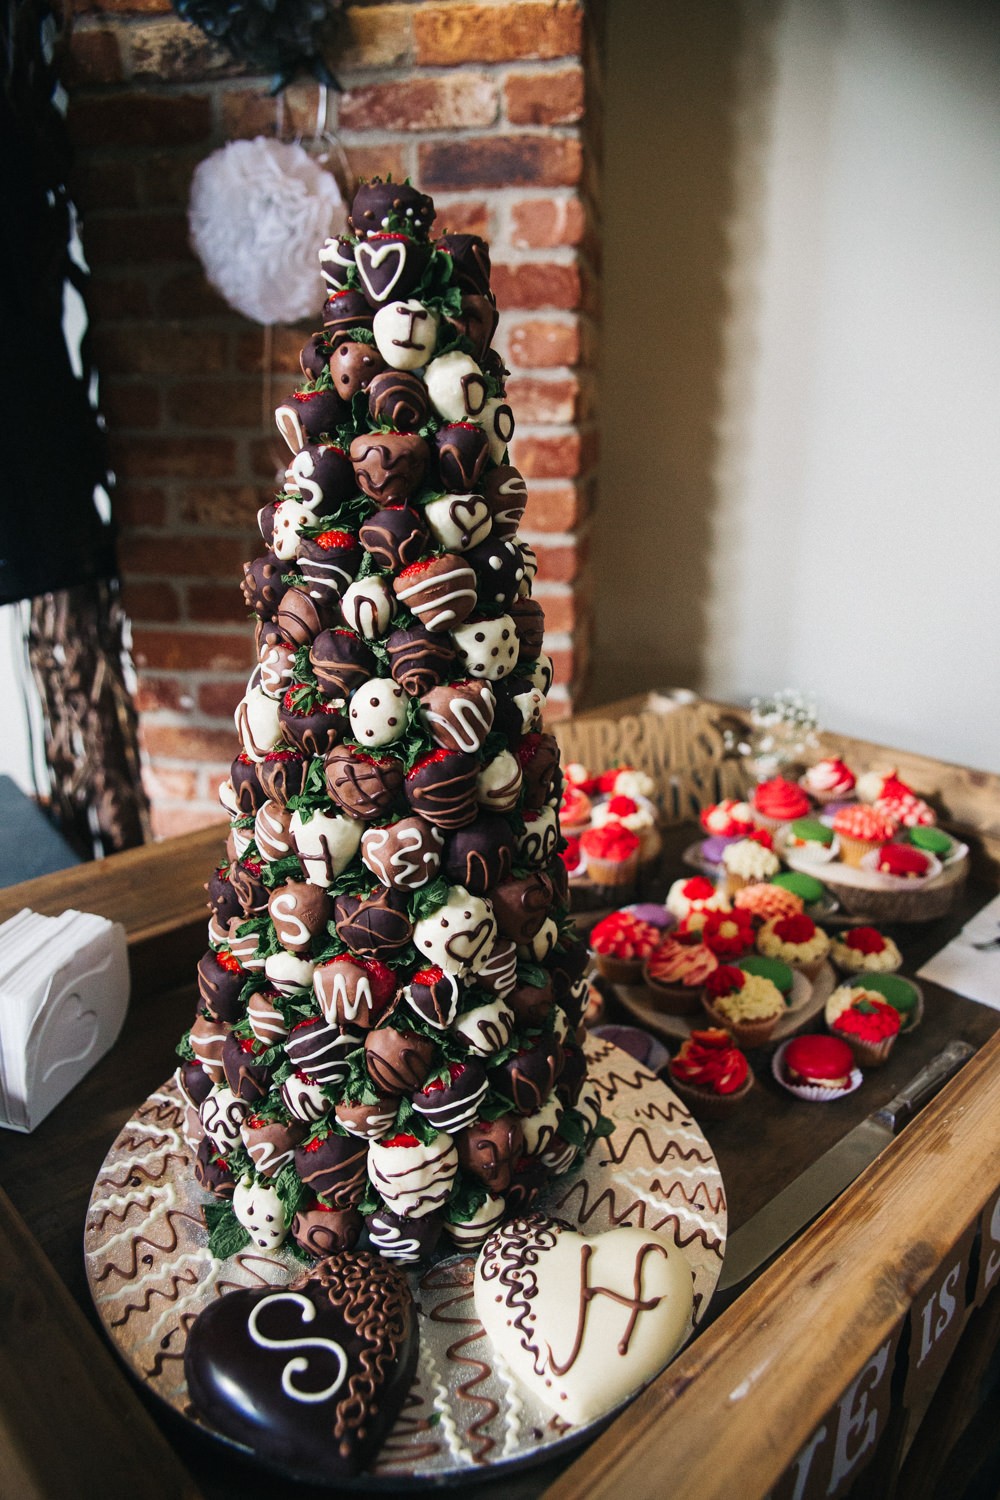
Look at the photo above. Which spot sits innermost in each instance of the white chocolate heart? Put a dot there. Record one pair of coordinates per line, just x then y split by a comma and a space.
582, 1322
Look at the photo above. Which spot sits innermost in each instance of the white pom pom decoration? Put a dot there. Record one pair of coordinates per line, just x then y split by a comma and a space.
258, 210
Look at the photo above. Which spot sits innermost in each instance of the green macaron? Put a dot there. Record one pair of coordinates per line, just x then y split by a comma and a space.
900, 993
811, 831
931, 841
807, 886
773, 969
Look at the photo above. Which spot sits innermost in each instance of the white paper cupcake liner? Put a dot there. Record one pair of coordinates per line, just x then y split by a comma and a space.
808, 1091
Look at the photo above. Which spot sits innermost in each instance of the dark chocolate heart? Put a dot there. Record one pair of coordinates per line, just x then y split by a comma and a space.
310, 1376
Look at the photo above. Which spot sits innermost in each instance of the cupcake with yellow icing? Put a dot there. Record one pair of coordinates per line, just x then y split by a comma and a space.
865, 950
747, 1005
675, 973
796, 941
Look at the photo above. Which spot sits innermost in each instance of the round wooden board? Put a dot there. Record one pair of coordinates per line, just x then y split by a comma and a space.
807, 1002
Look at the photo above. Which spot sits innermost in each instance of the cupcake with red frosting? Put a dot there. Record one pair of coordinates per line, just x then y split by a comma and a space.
865, 950
901, 803
574, 809
778, 801
621, 943
675, 973
861, 829
829, 780
866, 1021
796, 941
612, 855
729, 934
749, 1006
694, 893
710, 1073
636, 814
816, 1068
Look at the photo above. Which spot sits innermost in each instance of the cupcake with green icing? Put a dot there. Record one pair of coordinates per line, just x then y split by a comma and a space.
810, 839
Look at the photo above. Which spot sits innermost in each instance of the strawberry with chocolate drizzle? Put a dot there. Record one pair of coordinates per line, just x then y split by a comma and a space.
538, 757
328, 564
282, 774
450, 1101
249, 1079
309, 722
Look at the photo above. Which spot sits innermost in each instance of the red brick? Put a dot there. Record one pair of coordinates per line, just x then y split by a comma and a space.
555, 509
193, 651
170, 822
269, 459
112, 299
559, 564
285, 346
121, 7
151, 602
156, 693
176, 51
165, 177
99, 182
558, 708
151, 350
132, 405
536, 284
177, 458
560, 612
246, 112
499, 161
378, 161
463, 216
497, 33
221, 604
140, 119
563, 666
543, 223
223, 507
197, 556
453, 101
94, 57
189, 295
163, 783
548, 457
219, 699
138, 505
541, 345
545, 98
376, 36
215, 404
187, 741
543, 400
129, 238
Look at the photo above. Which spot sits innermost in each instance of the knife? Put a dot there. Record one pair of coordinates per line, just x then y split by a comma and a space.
757, 1242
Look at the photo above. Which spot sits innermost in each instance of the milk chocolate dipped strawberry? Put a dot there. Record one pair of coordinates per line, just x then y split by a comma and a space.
480, 855
300, 617
506, 494
263, 585
389, 466
405, 854
459, 716
353, 366
398, 399
364, 786
440, 591
420, 659
462, 450
322, 1230
397, 1060
308, 723
222, 899
208, 1037
395, 536
379, 206
373, 926
300, 912
488, 1149
441, 787
334, 1167
276, 659
341, 661
220, 980
246, 1075
369, 1120
390, 265
354, 991
328, 563
267, 1020
322, 475
345, 311
245, 877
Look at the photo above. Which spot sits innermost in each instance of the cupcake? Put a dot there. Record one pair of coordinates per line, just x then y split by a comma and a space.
574, 809
729, 934
747, 1005
612, 855
765, 901
728, 819
695, 893
829, 780
901, 803
796, 941
931, 840
778, 801
675, 973
860, 830
866, 1021
809, 839
638, 816
774, 969
864, 950
901, 994
748, 861
709, 1073
621, 944
809, 890
902, 862
817, 1068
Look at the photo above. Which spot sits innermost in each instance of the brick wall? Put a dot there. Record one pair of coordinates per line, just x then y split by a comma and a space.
493, 108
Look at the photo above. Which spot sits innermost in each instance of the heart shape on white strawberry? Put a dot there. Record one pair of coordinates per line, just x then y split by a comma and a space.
583, 1322
310, 1376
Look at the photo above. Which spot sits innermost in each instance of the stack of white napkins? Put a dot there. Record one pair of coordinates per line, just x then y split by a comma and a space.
64, 987
970, 963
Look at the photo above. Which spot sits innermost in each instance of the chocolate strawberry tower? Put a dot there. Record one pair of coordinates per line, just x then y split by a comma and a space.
385, 1042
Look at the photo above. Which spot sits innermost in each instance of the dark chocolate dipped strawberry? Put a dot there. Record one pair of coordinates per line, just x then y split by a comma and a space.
380, 206
308, 416
450, 1100
314, 355
322, 1230
282, 773
320, 1051
364, 786
477, 321
220, 980
373, 926
398, 399
212, 1171
532, 1004
397, 1061
322, 475
420, 659
352, 365
499, 568
567, 962
488, 1149
395, 536
538, 757
521, 905
302, 618
388, 466
324, 1417
336, 261
194, 1082
328, 564
271, 1144
390, 266
263, 585
342, 661
245, 876
354, 991
441, 787
334, 1167
528, 1078
527, 1179
572, 1074
265, 522
433, 995
248, 1078
498, 971
506, 494
480, 855
345, 311
529, 622
222, 899
462, 449
440, 591
470, 260
406, 1241
310, 723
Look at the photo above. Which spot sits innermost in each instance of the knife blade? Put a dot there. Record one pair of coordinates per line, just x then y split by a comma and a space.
756, 1243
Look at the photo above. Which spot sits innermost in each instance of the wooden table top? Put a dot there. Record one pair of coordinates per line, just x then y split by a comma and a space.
48, 1175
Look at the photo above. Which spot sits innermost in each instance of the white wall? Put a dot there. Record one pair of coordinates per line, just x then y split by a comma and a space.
850, 514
